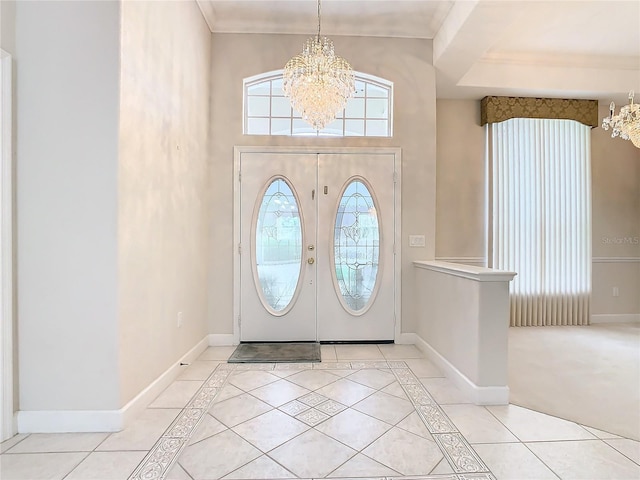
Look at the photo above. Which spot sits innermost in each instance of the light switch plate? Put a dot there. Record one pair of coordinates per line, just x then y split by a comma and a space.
416, 241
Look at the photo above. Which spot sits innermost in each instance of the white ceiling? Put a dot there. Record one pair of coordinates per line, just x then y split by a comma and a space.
557, 48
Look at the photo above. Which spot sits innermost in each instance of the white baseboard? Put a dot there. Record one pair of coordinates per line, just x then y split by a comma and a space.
221, 339
69, 421
616, 318
132, 409
72, 421
494, 395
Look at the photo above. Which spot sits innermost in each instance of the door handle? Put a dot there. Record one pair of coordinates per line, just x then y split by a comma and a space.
310, 261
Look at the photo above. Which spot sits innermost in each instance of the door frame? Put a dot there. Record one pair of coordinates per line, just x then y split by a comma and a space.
6, 240
397, 243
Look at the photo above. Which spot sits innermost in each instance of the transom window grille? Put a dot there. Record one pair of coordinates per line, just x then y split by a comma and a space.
267, 111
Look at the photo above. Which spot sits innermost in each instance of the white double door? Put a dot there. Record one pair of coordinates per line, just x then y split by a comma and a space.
317, 247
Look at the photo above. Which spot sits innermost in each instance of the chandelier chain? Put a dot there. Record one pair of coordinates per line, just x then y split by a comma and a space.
319, 20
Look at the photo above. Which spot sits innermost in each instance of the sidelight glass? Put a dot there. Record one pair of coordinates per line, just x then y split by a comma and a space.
278, 246
356, 246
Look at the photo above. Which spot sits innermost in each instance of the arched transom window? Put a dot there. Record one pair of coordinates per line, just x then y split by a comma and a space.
267, 111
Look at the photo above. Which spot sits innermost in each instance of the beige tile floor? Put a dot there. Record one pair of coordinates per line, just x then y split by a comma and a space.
365, 412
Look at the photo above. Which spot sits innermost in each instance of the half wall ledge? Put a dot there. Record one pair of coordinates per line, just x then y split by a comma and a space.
462, 318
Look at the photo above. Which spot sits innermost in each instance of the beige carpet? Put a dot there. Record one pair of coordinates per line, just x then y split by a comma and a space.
590, 375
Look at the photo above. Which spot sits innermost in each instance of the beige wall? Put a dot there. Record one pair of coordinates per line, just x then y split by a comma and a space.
163, 188
406, 62
474, 301
67, 70
112, 197
615, 203
8, 44
615, 167
7, 26
461, 182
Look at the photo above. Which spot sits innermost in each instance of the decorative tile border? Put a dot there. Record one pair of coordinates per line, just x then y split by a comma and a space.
406, 377
460, 455
293, 366
160, 459
320, 366
254, 366
360, 365
445, 476
185, 424
476, 476
332, 366
313, 409
157, 463
453, 445
435, 419
419, 395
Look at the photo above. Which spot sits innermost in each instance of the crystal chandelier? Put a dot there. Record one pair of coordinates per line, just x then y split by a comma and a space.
318, 82
626, 124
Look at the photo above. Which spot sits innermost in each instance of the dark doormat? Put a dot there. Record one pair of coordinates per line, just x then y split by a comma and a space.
276, 352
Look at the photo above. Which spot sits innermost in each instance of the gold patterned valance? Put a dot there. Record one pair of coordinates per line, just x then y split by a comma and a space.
499, 109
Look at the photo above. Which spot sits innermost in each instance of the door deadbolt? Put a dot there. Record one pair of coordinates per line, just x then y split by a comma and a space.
311, 247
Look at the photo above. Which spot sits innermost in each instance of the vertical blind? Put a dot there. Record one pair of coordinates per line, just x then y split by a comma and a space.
541, 222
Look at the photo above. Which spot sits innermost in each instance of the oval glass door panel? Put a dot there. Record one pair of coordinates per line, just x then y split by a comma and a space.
356, 247
278, 247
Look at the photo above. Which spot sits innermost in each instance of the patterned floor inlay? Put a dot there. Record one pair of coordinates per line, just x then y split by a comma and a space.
166, 450
456, 449
357, 420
